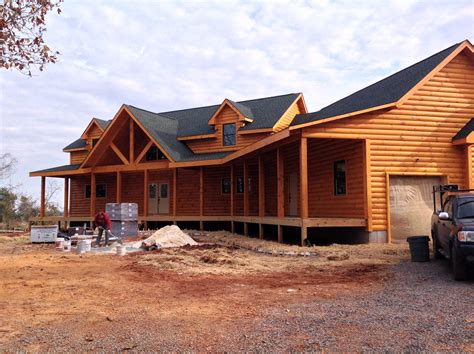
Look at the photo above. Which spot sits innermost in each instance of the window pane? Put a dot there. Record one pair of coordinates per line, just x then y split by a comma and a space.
152, 191
163, 191
225, 185
100, 191
340, 177
228, 134
240, 184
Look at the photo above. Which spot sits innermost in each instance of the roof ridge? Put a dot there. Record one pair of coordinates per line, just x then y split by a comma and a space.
188, 109
158, 114
264, 98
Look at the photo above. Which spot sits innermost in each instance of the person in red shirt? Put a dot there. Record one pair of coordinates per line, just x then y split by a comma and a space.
102, 221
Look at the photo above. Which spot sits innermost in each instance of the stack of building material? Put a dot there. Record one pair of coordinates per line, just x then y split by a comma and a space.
124, 217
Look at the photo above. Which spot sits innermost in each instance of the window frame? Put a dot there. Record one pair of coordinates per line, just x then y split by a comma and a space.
223, 191
224, 135
337, 179
89, 187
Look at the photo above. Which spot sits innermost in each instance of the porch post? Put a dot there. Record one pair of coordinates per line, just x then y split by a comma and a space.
470, 184
145, 193
232, 207
280, 191
43, 196
246, 195
93, 188
119, 187
261, 193
201, 198
304, 188
175, 193
66, 201
132, 142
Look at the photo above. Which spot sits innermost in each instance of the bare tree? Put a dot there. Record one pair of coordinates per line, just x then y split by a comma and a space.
52, 188
7, 165
22, 25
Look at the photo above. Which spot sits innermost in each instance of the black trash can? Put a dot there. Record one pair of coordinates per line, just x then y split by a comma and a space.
419, 248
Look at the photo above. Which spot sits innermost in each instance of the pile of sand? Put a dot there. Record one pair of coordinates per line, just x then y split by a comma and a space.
167, 237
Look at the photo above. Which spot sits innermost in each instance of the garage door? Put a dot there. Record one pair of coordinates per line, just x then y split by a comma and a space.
411, 206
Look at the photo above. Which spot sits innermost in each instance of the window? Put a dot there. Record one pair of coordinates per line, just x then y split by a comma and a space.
94, 142
100, 191
340, 177
154, 154
228, 137
225, 186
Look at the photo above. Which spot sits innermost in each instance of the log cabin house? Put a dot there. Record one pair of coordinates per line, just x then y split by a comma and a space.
363, 166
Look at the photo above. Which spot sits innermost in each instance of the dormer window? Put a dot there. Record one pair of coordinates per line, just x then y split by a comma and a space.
228, 134
94, 142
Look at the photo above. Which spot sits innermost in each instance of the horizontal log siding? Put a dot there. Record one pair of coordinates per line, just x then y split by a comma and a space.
132, 189
322, 153
163, 176
215, 203
187, 192
291, 163
77, 157
79, 204
416, 137
288, 117
226, 116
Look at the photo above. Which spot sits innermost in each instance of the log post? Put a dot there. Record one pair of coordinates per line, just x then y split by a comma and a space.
132, 142
246, 188
470, 183
280, 185
145, 193
93, 191
175, 193
119, 187
261, 194
66, 201
201, 198
304, 188
43, 196
232, 190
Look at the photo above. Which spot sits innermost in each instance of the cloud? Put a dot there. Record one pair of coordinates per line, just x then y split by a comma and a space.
178, 54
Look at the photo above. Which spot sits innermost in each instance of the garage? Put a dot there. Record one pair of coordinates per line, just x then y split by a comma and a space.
411, 206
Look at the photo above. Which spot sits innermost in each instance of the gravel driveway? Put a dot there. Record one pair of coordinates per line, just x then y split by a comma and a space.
420, 309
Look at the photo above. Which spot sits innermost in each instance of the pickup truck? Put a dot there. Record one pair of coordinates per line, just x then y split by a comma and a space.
452, 228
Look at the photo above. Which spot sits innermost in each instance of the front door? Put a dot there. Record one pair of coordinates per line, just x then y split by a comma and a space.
292, 194
163, 199
152, 198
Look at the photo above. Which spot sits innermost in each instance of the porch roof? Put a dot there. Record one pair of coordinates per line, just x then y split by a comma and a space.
64, 168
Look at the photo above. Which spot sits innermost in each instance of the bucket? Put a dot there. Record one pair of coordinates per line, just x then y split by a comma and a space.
67, 246
419, 248
58, 244
121, 250
83, 246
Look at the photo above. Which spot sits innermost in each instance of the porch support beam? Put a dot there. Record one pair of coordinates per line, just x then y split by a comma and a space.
119, 187
367, 184
261, 187
280, 184
93, 190
145, 193
246, 188
175, 191
119, 153
43, 196
201, 197
66, 197
470, 182
304, 188
132, 141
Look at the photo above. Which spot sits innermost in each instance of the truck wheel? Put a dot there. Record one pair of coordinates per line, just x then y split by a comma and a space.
459, 266
436, 253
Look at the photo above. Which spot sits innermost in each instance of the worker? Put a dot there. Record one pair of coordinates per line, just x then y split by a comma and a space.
102, 221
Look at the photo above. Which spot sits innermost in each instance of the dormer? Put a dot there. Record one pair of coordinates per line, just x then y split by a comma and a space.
93, 132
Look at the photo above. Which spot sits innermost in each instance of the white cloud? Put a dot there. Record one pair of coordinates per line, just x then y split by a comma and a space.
178, 54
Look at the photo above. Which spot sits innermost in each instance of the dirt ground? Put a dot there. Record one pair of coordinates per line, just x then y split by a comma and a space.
224, 297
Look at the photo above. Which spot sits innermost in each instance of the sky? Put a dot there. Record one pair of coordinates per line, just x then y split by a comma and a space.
167, 55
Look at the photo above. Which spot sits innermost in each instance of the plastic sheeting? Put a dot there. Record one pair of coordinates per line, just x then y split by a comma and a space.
411, 206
